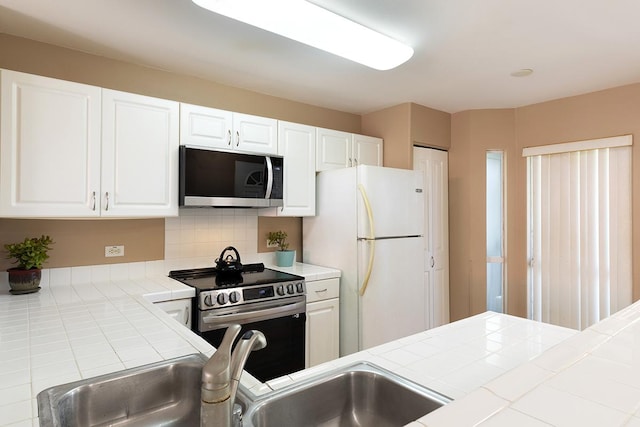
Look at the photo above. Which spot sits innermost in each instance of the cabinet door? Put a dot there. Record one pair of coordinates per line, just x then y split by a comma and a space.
139, 155
205, 127
323, 331
333, 149
297, 144
179, 310
255, 134
367, 150
434, 164
49, 147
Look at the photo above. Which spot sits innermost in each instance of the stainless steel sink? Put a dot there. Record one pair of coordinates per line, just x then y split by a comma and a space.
161, 394
357, 395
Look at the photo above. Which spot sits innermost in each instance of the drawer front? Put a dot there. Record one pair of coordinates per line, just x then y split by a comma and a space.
323, 289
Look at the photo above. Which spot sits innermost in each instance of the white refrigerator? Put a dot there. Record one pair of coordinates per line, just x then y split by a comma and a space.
369, 224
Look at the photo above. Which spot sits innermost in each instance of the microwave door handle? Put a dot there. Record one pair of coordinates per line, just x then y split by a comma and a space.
267, 193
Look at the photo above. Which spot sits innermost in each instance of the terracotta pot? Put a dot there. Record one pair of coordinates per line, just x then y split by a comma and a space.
24, 281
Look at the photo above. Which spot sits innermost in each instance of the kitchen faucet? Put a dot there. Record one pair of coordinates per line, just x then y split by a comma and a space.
221, 376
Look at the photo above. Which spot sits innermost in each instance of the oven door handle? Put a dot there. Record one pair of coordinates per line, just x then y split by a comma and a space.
213, 321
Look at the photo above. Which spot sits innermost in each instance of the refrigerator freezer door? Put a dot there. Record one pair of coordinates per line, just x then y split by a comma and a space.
394, 304
397, 202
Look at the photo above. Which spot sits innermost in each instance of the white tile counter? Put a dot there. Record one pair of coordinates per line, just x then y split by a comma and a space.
592, 379
88, 321
309, 272
67, 333
457, 358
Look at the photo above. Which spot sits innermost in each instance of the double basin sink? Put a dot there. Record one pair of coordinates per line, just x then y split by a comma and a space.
168, 394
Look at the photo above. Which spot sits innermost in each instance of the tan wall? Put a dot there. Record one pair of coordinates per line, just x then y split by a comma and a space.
392, 124
405, 125
429, 127
293, 228
82, 242
600, 114
596, 115
473, 134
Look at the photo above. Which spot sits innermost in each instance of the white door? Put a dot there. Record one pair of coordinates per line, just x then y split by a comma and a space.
139, 155
255, 134
393, 303
367, 150
50, 149
434, 165
297, 144
205, 127
333, 149
396, 199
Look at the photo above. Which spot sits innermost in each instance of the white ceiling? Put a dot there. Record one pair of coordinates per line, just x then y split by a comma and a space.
465, 50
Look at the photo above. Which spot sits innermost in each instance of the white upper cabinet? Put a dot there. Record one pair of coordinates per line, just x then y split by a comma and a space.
140, 141
367, 150
255, 134
333, 149
220, 129
336, 149
297, 144
205, 127
78, 151
49, 147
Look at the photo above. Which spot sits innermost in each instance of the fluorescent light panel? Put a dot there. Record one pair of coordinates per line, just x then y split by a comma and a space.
312, 25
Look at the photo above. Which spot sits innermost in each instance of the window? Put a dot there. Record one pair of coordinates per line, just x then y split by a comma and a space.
579, 219
495, 231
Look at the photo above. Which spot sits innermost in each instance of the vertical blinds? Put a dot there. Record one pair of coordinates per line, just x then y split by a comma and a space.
580, 265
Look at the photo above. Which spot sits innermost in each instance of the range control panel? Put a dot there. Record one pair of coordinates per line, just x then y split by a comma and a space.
242, 295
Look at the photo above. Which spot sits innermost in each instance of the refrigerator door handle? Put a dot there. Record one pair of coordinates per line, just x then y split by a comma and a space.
372, 241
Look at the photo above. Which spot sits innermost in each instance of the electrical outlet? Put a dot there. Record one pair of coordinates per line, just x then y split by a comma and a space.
111, 251
271, 245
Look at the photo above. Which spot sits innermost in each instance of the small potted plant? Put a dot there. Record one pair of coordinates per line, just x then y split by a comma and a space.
284, 257
29, 255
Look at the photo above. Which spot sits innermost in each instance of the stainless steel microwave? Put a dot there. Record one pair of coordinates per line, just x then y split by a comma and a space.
227, 179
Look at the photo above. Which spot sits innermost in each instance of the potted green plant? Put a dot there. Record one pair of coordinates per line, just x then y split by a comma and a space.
284, 257
29, 255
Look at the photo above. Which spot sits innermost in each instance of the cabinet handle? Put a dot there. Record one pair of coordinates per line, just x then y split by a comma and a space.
350, 162
186, 316
237, 138
229, 137
355, 162
321, 290
433, 262
93, 201
107, 205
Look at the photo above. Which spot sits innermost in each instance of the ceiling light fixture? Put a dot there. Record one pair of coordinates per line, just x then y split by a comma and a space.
312, 25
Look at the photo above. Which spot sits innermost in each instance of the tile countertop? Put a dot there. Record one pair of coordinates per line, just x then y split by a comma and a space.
79, 326
591, 379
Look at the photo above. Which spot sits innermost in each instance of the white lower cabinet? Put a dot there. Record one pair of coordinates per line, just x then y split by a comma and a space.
323, 321
179, 309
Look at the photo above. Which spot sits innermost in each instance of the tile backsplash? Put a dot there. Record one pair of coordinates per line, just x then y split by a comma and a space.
204, 232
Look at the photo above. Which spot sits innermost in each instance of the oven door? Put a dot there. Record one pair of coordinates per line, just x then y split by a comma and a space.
283, 324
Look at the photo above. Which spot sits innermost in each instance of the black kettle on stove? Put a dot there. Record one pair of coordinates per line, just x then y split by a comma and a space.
229, 264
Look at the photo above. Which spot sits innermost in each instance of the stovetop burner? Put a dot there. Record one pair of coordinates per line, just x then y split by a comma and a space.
207, 279
217, 289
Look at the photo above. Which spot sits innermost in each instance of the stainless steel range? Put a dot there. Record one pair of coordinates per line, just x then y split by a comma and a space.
255, 297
